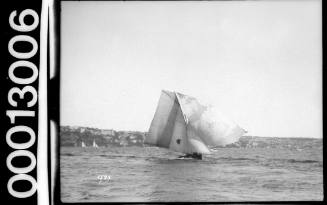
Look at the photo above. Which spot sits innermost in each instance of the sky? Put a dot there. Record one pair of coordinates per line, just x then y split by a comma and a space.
258, 62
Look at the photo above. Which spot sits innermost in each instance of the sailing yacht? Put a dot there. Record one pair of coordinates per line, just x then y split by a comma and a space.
83, 144
182, 124
95, 145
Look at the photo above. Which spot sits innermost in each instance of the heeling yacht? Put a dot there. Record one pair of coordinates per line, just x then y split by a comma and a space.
184, 125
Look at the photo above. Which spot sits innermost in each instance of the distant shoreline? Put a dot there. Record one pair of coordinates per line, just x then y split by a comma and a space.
75, 136
95, 128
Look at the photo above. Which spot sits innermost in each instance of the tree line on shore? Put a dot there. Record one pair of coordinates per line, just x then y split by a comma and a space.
73, 136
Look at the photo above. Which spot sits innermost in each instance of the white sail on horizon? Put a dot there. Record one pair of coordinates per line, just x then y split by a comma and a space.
184, 125
94, 144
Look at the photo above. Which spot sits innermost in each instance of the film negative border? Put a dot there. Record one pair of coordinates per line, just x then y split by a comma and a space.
24, 102
30, 102
54, 104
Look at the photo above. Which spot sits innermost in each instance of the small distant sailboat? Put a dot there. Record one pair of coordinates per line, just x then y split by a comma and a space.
95, 145
183, 125
83, 144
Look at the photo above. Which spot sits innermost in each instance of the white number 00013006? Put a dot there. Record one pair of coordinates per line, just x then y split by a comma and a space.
20, 149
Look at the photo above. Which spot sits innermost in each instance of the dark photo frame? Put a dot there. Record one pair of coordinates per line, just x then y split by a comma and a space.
127, 102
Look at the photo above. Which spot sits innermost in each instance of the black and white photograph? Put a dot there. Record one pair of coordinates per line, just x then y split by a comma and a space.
191, 101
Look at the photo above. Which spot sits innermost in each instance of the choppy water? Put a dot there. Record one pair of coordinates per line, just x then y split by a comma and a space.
155, 174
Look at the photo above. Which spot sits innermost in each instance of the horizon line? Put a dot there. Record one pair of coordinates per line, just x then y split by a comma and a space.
303, 137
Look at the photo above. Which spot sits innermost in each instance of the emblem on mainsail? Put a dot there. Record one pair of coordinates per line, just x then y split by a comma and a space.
184, 125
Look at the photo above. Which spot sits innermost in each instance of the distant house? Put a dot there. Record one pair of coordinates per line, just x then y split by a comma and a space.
108, 132
132, 137
74, 127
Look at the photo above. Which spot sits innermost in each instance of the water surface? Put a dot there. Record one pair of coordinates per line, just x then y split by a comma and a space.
155, 174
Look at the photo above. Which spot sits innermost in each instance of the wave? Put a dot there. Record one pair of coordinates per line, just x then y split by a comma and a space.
302, 161
274, 159
68, 154
116, 156
265, 161
236, 158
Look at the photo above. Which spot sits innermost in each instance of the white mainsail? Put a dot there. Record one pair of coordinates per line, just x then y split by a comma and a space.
182, 124
83, 144
94, 144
